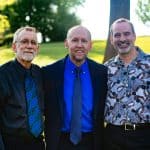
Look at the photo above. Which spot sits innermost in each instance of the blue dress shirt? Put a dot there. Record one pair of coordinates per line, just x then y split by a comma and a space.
87, 96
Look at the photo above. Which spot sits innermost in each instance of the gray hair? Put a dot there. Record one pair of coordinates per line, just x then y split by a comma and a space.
27, 28
120, 20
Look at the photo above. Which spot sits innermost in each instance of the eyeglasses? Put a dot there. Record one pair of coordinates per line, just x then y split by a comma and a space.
27, 42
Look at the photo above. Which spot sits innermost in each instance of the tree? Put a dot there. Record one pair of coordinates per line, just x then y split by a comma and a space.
44, 15
143, 11
118, 9
63, 19
61, 25
5, 35
4, 28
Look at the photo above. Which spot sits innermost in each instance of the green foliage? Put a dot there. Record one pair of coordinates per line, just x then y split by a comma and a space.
61, 25
3, 3
50, 52
4, 24
51, 18
143, 10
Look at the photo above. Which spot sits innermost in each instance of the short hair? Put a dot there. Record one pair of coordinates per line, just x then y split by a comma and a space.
75, 27
27, 28
120, 20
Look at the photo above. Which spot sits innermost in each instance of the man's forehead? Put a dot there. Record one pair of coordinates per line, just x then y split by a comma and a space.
123, 26
26, 33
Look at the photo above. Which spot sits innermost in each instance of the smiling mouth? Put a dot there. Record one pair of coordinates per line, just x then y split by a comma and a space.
124, 44
79, 51
28, 52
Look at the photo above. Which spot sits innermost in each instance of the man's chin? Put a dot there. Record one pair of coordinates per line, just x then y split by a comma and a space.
80, 59
28, 59
124, 51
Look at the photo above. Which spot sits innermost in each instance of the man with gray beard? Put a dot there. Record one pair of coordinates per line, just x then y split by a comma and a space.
21, 95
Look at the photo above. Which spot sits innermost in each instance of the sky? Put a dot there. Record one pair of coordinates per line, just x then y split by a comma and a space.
95, 16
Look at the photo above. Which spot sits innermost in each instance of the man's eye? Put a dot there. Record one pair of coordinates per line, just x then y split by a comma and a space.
127, 33
33, 42
117, 35
75, 40
84, 41
24, 42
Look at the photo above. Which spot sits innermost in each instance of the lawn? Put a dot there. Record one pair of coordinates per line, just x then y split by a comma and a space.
50, 52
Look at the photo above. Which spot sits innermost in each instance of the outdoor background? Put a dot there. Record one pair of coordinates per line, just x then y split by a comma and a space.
94, 14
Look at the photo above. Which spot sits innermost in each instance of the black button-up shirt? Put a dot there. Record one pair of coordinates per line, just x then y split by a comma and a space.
13, 109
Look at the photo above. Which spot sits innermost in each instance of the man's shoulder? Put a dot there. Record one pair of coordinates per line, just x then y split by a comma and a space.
142, 55
6, 66
147, 57
144, 61
5, 71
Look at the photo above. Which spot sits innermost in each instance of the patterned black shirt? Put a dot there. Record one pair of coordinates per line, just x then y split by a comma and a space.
128, 98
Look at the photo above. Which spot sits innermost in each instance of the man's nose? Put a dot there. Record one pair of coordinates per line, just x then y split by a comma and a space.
122, 38
80, 43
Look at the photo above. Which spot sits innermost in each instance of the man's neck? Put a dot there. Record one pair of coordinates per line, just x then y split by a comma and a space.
25, 64
128, 58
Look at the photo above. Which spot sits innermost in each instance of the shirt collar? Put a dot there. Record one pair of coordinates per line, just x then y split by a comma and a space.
21, 70
140, 55
71, 66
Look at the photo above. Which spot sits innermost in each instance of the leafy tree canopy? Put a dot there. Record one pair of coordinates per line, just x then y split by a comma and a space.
51, 17
4, 24
143, 11
3, 3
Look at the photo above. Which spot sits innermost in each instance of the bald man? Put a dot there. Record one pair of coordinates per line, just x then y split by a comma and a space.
59, 92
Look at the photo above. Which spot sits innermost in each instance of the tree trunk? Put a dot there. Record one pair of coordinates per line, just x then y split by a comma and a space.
118, 9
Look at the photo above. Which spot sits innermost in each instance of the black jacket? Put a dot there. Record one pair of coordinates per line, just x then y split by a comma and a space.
13, 113
53, 79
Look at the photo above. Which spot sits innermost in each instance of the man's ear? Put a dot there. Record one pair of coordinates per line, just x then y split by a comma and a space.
66, 44
111, 38
14, 47
91, 45
38, 48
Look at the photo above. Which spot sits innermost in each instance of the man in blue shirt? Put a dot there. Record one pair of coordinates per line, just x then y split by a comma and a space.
59, 97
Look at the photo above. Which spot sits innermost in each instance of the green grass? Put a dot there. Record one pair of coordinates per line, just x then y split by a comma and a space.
50, 52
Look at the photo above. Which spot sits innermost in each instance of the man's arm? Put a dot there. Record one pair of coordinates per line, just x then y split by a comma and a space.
1, 143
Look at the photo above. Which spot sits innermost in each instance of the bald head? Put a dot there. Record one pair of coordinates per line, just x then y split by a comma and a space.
78, 42
77, 29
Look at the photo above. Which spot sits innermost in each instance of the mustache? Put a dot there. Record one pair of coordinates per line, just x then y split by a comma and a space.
29, 51
123, 42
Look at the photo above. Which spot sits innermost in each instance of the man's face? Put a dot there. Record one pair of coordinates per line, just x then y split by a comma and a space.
26, 47
122, 38
78, 44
